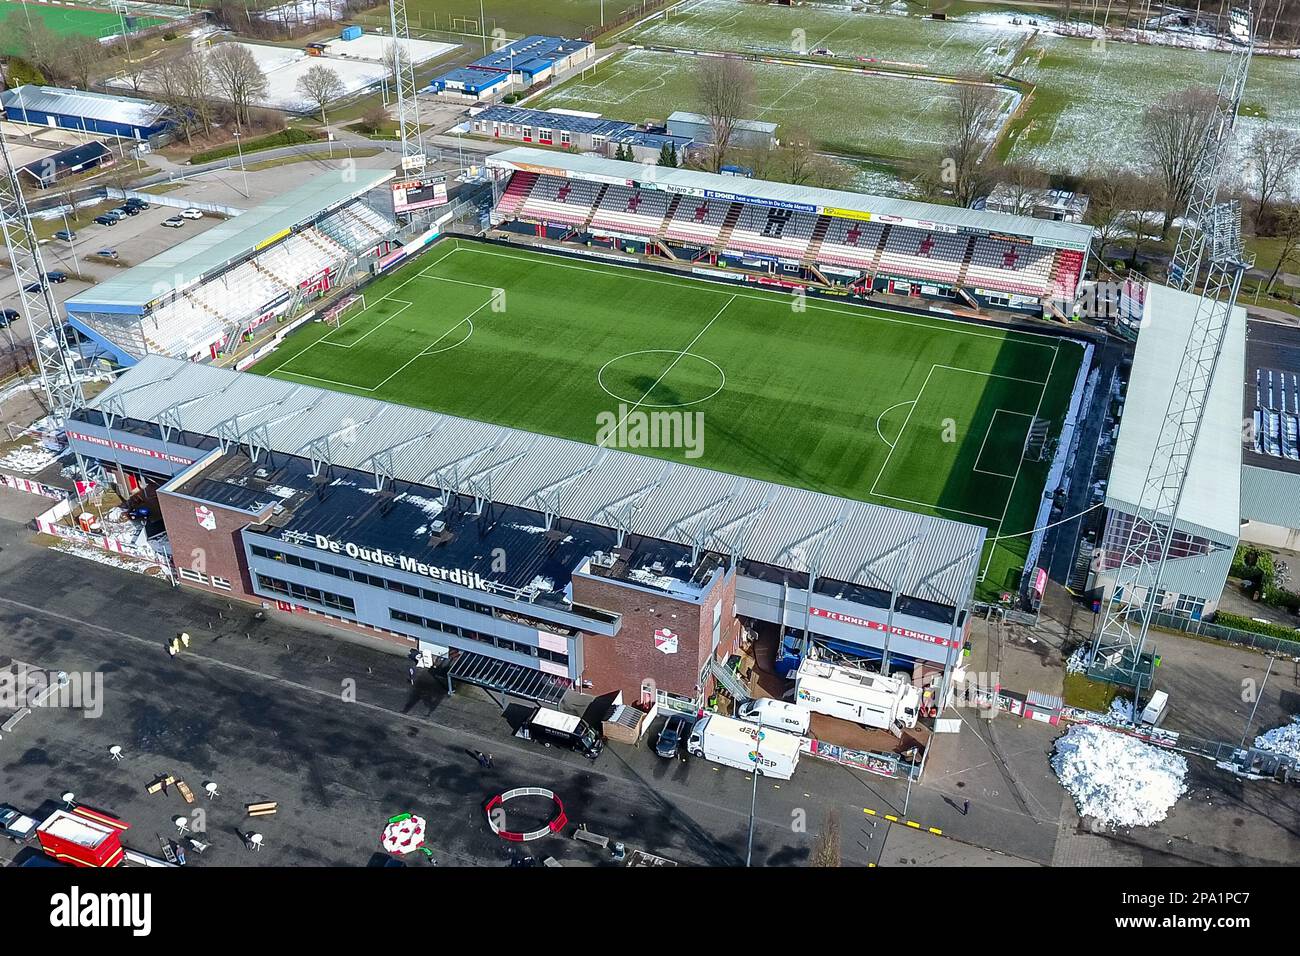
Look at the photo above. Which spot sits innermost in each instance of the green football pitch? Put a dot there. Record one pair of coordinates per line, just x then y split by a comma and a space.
925, 414
62, 20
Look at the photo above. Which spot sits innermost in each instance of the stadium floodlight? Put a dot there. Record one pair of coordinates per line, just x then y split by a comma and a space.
408, 110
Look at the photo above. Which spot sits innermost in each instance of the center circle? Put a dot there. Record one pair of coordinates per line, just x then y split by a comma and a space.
648, 365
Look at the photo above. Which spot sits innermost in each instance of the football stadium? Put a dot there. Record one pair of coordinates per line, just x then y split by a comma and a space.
821, 409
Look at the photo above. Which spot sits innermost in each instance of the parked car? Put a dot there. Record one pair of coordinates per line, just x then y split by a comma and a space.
116, 215
673, 735
128, 210
56, 276
67, 235
192, 213
175, 222
135, 203
7, 316
106, 253
33, 287
106, 220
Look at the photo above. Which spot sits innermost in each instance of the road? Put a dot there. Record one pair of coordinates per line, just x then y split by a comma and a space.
260, 707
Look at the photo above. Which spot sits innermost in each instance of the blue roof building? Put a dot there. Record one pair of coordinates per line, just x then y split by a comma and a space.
103, 113
519, 63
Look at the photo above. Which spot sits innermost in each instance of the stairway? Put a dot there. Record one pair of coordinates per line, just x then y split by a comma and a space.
668, 216
728, 680
1078, 582
728, 226
965, 261
815, 243
600, 194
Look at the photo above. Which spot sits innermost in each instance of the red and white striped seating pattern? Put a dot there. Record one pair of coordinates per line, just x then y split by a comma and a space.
774, 232
918, 254
517, 191
1015, 267
566, 201
1065, 273
639, 212
853, 244
697, 221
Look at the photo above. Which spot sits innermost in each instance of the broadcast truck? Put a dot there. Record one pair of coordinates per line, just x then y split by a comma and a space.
549, 727
872, 700
745, 746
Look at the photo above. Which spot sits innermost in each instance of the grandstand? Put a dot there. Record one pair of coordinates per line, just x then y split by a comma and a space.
818, 237
200, 297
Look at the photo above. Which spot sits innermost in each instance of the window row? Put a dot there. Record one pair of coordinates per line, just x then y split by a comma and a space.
300, 592
505, 644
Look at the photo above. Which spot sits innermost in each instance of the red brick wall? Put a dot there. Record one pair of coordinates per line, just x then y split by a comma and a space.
216, 552
622, 662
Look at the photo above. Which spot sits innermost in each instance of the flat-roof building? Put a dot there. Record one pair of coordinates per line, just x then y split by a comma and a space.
1270, 457
108, 114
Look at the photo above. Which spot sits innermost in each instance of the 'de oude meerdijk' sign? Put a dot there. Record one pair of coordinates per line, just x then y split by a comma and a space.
468, 579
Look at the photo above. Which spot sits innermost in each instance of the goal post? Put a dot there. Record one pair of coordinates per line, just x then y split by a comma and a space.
347, 307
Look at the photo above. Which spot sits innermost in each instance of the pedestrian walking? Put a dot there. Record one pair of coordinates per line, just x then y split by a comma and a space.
411, 671
965, 807
490, 765
482, 758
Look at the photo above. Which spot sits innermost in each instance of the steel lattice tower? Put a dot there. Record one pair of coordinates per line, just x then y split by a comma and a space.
1211, 233
58, 379
408, 109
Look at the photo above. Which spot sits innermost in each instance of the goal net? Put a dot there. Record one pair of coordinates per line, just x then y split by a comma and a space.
348, 306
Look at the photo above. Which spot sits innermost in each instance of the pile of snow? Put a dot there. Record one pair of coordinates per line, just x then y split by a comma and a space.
1283, 740
1116, 778
1078, 662
28, 459
1121, 710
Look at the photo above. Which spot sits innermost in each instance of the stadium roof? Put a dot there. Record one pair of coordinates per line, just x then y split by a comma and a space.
186, 263
786, 196
1211, 504
934, 559
1273, 387
101, 106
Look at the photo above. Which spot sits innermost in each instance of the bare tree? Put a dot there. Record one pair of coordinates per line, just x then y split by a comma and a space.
81, 56
970, 118
1022, 185
1143, 221
1174, 134
237, 75
321, 85
1110, 203
1286, 228
1272, 155
725, 89
826, 851
194, 88
395, 56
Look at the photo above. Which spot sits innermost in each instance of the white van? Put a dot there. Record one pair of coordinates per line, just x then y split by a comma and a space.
776, 713
1154, 711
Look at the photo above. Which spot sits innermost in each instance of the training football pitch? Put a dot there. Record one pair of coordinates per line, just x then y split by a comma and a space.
845, 110
919, 413
62, 20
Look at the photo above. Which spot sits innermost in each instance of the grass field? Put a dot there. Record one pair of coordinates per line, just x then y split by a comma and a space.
846, 112
1088, 105
918, 413
517, 17
951, 46
62, 20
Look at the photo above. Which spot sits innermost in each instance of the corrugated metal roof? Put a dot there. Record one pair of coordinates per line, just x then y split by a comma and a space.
1270, 496
1212, 497
540, 119
931, 558
99, 106
1044, 232
186, 263
699, 119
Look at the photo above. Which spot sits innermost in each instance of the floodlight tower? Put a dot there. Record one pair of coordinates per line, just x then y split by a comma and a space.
1210, 235
408, 109
58, 379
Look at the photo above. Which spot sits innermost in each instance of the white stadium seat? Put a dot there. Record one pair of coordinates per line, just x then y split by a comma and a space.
851, 243
783, 233
637, 212
562, 201
1015, 267
918, 254
697, 221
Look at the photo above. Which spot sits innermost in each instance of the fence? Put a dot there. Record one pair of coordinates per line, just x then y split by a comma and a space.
1232, 635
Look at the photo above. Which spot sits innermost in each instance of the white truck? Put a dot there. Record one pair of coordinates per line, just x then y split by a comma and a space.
872, 700
745, 746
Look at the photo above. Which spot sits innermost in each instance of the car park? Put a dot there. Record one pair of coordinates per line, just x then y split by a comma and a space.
175, 222
192, 213
67, 235
673, 736
106, 220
